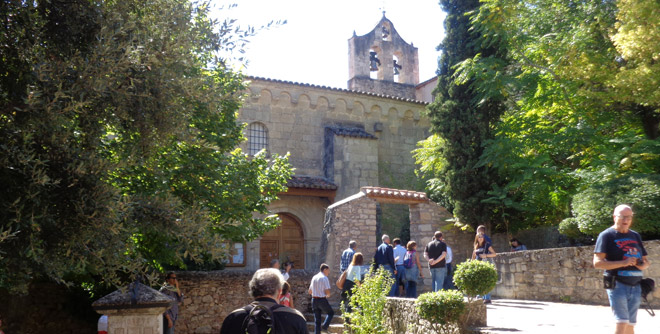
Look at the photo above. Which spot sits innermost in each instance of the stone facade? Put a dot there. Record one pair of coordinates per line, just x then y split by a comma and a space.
402, 318
352, 139
562, 274
355, 218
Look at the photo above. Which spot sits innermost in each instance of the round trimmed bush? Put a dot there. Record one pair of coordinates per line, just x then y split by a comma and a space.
475, 277
441, 307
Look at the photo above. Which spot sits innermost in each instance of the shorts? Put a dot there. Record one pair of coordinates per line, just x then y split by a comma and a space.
625, 300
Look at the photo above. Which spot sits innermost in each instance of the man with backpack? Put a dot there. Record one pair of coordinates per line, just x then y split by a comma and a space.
265, 315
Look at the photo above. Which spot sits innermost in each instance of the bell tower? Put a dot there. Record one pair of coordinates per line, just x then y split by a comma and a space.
381, 62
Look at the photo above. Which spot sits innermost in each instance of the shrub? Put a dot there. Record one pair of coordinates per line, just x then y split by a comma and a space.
441, 308
592, 208
475, 277
368, 302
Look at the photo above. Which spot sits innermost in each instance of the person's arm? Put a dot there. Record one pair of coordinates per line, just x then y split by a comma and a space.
169, 321
474, 254
491, 253
419, 265
645, 263
291, 301
601, 263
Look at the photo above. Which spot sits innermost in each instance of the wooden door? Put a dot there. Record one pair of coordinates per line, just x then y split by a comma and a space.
286, 243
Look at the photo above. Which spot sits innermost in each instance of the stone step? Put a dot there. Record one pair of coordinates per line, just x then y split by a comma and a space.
336, 319
334, 328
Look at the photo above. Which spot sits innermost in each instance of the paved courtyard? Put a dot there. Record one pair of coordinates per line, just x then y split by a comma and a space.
506, 316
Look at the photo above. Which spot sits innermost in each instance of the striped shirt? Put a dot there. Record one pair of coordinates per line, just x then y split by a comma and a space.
319, 284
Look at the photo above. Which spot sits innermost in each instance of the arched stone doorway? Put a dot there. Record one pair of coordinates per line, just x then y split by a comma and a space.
286, 243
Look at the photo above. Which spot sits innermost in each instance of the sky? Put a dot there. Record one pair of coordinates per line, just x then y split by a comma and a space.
312, 47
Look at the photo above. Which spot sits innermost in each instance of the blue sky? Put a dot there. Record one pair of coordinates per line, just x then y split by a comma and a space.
313, 46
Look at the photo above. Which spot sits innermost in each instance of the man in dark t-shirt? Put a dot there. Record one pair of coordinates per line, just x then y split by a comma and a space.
436, 252
620, 253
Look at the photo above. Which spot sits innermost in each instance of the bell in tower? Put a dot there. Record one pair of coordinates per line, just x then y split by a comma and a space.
381, 62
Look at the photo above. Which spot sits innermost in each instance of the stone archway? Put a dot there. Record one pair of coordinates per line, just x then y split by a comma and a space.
354, 218
286, 242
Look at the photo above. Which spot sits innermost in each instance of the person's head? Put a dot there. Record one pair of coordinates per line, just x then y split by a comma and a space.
437, 235
481, 229
411, 246
325, 269
385, 238
479, 240
266, 282
275, 263
358, 259
288, 265
352, 244
514, 242
171, 278
623, 217
396, 241
285, 288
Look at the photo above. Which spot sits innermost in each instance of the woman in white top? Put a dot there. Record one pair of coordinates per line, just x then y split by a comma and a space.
353, 277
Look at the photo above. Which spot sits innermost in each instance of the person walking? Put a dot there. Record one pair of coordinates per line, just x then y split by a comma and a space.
347, 256
482, 251
619, 252
265, 286
171, 289
399, 253
319, 288
436, 252
384, 257
353, 278
414, 271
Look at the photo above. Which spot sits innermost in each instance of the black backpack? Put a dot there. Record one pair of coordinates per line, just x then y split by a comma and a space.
260, 319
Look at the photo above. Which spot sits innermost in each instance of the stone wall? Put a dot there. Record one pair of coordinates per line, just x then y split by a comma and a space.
562, 274
402, 317
211, 296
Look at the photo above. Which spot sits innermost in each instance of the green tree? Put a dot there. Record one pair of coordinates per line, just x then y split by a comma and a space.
462, 120
582, 101
368, 303
119, 130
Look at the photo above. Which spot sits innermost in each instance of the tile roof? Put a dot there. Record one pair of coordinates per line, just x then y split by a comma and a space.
351, 132
394, 194
338, 89
310, 182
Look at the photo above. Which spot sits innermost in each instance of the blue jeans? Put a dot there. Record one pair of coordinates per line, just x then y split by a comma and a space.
400, 277
395, 286
438, 278
449, 279
320, 305
411, 282
625, 300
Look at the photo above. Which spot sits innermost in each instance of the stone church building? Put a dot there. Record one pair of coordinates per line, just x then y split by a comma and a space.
339, 140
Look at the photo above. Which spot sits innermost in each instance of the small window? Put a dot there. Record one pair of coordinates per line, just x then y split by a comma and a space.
257, 134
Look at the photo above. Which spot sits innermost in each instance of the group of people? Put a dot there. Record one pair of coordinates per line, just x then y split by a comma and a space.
405, 267
619, 252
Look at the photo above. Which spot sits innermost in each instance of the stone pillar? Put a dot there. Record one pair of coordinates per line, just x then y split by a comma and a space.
425, 219
136, 310
351, 219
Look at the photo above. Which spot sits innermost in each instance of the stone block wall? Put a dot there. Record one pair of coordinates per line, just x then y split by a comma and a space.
402, 317
210, 296
562, 274
352, 219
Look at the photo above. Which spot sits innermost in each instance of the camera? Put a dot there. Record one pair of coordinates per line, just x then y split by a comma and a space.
640, 262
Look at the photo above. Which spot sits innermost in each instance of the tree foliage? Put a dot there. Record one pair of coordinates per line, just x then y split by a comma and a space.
119, 130
462, 120
368, 303
580, 88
